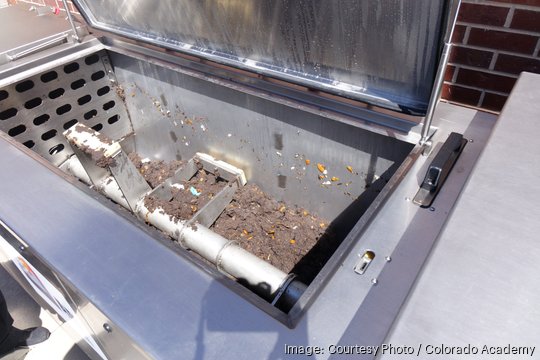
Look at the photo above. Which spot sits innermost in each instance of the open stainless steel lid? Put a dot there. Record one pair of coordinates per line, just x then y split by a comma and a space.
383, 52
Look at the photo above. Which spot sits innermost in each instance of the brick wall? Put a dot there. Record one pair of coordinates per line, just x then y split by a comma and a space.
493, 42
53, 3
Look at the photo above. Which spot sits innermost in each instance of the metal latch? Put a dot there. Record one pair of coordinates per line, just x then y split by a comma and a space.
439, 169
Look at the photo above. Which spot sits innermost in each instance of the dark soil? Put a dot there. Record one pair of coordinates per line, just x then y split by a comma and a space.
155, 171
288, 237
184, 204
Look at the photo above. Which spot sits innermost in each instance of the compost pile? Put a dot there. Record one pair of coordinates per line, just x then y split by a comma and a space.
155, 171
289, 237
188, 196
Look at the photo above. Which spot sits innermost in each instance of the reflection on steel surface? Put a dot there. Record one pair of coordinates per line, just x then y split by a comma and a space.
346, 47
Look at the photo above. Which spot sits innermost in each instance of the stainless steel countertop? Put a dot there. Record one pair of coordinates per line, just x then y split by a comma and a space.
481, 284
24, 35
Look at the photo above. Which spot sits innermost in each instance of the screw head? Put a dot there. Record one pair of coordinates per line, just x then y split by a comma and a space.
21, 247
388, 259
107, 327
374, 281
432, 209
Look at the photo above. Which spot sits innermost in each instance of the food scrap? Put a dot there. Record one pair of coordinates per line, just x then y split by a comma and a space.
308, 161
334, 178
350, 169
194, 191
321, 168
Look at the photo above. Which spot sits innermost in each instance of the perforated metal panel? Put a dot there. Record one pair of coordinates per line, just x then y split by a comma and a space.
37, 110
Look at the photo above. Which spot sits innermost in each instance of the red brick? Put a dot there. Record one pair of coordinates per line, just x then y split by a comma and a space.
50, 3
526, 20
502, 40
472, 57
449, 73
485, 80
483, 14
459, 34
521, 2
493, 102
460, 94
516, 64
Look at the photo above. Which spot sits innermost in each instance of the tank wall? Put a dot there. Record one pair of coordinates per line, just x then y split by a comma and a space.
175, 115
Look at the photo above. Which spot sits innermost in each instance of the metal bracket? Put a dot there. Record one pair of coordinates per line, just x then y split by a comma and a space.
108, 67
100, 156
439, 169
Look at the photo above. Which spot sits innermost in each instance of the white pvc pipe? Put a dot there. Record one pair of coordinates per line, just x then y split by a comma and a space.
225, 254
107, 186
74, 167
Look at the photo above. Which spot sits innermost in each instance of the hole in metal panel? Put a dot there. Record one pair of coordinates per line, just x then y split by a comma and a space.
92, 59
113, 119
104, 90
56, 93
24, 86
63, 109
30, 104
9, 113
41, 119
98, 75
78, 84
97, 127
70, 123
363, 263
56, 149
17, 130
48, 135
83, 100
90, 114
108, 105
3, 95
49, 76
69, 68
29, 144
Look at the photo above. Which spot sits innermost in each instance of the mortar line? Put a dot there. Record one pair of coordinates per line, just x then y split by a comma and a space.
509, 17
481, 99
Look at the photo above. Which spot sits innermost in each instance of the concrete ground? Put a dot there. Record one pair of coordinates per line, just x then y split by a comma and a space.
27, 313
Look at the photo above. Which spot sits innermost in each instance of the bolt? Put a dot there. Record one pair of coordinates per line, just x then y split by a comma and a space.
388, 259
374, 281
107, 327
432, 209
21, 247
